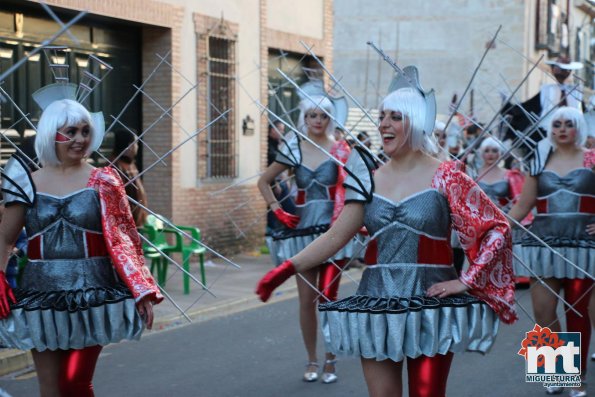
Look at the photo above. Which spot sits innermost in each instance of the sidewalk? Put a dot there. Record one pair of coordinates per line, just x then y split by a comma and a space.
233, 289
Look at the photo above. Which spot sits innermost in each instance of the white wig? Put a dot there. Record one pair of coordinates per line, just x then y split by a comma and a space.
58, 114
491, 142
578, 120
316, 102
410, 103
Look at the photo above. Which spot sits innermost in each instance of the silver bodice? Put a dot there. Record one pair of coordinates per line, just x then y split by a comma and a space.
315, 187
498, 192
564, 209
563, 193
315, 181
62, 224
400, 226
314, 202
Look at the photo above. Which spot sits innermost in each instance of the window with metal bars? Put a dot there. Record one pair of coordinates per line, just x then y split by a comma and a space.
221, 137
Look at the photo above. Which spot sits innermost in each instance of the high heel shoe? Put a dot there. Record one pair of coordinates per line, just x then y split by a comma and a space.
579, 393
329, 377
550, 390
311, 376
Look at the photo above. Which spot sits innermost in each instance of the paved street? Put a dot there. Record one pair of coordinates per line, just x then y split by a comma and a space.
258, 352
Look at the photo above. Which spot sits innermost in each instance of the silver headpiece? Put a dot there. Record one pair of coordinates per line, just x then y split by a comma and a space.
315, 87
410, 78
63, 89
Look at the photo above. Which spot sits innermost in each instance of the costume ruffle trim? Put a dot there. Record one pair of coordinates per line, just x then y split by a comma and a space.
556, 242
49, 329
307, 231
545, 263
291, 246
71, 301
395, 328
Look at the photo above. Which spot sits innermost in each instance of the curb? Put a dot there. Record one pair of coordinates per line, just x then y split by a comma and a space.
12, 360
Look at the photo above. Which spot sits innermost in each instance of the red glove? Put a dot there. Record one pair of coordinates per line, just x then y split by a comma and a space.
6, 295
289, 220
273, 279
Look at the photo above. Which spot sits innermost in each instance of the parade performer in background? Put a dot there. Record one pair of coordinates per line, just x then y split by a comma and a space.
502, 186
85, 284
561, 93
124, 154
411, 305
561, 186
319, 202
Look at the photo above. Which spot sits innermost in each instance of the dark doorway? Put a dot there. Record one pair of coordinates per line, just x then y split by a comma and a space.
23, 27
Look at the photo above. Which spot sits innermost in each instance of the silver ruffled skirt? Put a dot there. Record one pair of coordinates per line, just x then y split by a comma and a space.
390, 317
544, 262
566, 235
290, 243
70, 304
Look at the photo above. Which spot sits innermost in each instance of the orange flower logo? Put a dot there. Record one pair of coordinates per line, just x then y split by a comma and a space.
539, 337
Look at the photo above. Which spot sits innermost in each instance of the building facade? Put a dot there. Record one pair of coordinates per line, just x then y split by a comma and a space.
446, 40
194, 60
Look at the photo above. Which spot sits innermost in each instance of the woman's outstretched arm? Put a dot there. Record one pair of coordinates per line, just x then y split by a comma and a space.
346, 226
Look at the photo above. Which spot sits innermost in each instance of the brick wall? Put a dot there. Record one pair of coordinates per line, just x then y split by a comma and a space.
213, 212
200, 206
149, 12
264, 77
157, 181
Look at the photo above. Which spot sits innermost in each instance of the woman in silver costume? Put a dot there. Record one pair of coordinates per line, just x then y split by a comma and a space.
411, 305
502, 186
318, 202
561, 186
70, 302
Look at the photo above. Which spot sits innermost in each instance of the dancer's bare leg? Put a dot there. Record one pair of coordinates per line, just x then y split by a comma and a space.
544, 303
384, 378
308, 316
48, 366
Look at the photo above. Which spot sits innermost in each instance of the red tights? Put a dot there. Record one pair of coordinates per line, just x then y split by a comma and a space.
428, 375
326, 285
76, 375
575, 293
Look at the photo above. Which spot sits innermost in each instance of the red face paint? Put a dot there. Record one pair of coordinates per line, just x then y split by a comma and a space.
61, 137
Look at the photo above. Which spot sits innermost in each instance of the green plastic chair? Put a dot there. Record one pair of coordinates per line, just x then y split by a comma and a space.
155, 231
189, 248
